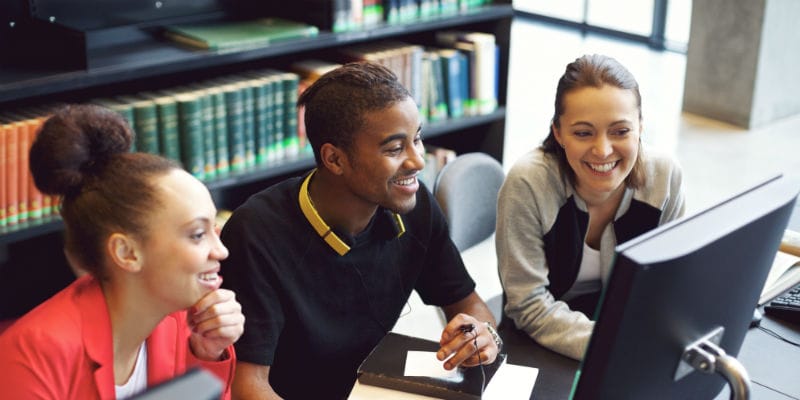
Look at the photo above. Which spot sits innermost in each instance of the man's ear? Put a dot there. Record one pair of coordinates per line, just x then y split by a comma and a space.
333, 158
125, 252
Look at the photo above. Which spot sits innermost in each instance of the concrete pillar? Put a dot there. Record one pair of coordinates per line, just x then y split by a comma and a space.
743, 61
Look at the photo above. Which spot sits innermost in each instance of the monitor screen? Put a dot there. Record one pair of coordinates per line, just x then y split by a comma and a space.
195, 384
676, 284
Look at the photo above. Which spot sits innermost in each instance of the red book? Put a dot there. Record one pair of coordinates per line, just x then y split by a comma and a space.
12, 173
23, 146
35, 197
3, 190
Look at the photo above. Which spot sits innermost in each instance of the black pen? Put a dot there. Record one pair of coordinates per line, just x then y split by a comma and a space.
466, 328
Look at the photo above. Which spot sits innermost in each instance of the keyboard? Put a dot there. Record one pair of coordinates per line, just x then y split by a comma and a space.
786, 306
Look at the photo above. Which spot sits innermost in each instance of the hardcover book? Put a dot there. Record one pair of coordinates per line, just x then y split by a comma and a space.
238, 35
385, 367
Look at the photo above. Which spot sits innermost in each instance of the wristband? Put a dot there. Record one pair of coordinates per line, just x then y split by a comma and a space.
495, 336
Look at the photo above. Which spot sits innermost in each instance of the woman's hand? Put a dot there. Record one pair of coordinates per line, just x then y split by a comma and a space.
216, 322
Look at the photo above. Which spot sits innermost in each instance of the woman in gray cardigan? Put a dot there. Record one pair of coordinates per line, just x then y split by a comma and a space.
565, 205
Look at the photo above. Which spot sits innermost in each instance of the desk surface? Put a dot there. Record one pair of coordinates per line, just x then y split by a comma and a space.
770, 362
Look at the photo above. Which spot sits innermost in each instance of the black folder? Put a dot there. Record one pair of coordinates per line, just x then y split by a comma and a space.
385, 367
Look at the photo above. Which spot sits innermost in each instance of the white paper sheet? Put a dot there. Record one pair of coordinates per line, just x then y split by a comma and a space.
425, 363
511, 382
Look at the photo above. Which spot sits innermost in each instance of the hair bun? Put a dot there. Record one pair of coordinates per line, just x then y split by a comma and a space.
74, 145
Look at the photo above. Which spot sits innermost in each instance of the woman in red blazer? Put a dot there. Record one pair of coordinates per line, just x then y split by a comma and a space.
150, 306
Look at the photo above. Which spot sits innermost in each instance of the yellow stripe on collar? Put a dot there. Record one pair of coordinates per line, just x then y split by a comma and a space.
323, 230
313, 217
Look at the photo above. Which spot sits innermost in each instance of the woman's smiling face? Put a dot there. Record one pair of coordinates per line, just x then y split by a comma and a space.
599, 131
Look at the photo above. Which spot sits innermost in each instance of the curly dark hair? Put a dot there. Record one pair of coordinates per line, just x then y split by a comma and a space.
82, 153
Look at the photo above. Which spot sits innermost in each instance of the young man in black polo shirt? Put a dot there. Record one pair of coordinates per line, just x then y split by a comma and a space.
323, 264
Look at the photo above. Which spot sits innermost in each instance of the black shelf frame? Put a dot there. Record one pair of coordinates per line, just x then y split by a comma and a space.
31, 253
158, 56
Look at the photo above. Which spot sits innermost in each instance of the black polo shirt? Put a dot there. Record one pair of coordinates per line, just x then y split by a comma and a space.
313, 315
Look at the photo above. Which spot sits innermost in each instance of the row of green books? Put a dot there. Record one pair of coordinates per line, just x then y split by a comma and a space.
409, 10
351, 15
220, 126
232, 124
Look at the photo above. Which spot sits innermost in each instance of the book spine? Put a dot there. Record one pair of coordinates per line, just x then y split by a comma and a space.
415, 60
463, 81
340, 16
261, 112
278, 119
169, 144
35, 196
4, 129
23, 145
373, 12
220, 131
439, 100
12, 173
425, 95
356, 20
190, 131
145, 124
209, 151
391, 11
269, 118
248, 123
290, 88
485, 71
451, 68
234, 110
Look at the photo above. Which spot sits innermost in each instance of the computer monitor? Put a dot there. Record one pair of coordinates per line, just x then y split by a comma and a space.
195, 384
678, 284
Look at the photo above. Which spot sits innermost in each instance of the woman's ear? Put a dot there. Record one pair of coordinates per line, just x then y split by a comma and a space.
125, 252
333, 158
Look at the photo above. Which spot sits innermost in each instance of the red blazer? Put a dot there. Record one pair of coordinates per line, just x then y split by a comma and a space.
62, 349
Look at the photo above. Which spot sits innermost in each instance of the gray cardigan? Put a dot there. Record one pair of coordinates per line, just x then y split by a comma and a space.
541, 226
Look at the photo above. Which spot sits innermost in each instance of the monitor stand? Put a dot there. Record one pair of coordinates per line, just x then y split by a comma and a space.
706, 356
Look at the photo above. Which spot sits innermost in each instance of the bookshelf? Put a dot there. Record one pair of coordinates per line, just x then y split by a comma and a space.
31, 258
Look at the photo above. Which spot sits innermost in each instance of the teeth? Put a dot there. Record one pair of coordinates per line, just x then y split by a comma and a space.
209, 276
603, 167
405, 182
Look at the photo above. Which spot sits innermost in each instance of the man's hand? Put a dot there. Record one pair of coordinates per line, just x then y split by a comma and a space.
469, 341
217, 322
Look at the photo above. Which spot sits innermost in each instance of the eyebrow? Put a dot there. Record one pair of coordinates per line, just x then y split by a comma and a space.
398, 136
621, 121
204, 220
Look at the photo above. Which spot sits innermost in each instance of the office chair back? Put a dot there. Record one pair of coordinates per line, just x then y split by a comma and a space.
466, 190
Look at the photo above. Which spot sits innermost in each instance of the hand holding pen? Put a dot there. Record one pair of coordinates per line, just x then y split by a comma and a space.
468, 341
